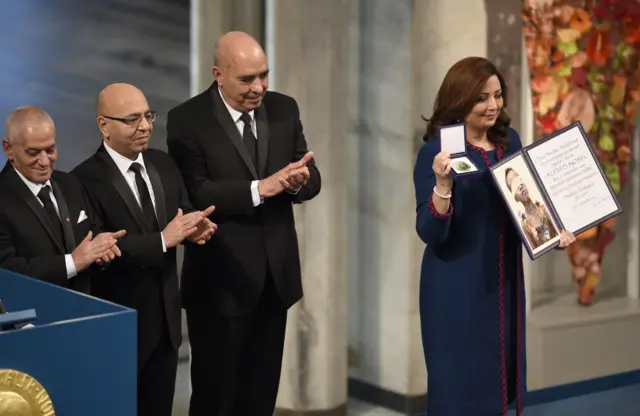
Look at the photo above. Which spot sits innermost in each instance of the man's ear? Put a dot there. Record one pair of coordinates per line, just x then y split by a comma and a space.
217, 74
102, 125
8, 149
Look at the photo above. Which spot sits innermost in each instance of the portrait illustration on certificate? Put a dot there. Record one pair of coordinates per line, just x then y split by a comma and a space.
528, 208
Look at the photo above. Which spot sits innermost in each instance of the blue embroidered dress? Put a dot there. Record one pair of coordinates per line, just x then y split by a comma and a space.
472, 300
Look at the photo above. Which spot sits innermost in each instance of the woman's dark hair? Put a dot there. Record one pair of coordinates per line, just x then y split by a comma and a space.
459, 93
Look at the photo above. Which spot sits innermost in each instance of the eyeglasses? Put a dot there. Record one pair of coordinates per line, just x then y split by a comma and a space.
135, 121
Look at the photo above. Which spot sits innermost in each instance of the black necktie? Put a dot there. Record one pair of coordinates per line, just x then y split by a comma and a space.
145, 197
45, 196
249, 139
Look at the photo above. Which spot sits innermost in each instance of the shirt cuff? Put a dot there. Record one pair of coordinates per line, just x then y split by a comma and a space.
295, 191
255, 195
164, 246
70, 265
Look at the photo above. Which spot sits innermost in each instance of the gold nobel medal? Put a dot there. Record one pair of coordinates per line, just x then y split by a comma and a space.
23, 395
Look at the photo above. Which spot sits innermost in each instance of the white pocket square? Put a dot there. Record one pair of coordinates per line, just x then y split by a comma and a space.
82, 216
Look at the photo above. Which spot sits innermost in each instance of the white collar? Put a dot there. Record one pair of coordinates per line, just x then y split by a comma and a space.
33, 187
123, 163
235, 114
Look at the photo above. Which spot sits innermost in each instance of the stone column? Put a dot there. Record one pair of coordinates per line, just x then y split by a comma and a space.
445, 32
308, 58
504, 49
386, 364
209, 20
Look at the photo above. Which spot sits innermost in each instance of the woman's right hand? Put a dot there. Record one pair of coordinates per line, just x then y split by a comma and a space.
442, 170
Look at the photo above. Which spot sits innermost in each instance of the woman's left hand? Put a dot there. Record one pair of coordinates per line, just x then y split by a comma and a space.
566, 238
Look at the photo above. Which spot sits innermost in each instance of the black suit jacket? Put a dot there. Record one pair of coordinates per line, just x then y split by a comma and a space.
144, 277
228, 272
28, 244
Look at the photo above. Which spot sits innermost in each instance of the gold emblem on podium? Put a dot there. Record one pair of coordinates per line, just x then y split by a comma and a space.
23, 395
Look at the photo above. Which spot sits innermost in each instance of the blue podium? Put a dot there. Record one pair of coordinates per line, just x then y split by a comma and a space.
82, 350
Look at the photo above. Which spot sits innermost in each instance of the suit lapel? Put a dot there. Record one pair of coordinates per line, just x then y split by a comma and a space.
69, 240
32, 202
118, 182
262, 126
224, 118
158, 192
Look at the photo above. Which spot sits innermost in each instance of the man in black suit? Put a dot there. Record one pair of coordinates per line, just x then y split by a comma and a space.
131, 186
44, 213
242, 149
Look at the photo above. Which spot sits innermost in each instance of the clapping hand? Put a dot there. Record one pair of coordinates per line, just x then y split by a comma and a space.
291, 177
204, 229
183, 226
113, 252
100, 250
296, 174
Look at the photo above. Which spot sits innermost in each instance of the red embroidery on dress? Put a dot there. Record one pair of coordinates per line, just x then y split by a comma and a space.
501, 304
435, 212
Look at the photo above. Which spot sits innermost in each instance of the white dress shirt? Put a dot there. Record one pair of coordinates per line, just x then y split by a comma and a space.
235, 116
35, 189
124, 165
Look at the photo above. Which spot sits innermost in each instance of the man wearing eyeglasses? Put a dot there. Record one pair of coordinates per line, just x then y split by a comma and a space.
140, 189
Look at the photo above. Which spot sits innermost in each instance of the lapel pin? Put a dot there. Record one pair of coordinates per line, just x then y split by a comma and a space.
67, 219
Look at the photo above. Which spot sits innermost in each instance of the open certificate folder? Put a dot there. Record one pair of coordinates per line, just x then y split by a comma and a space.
555, 184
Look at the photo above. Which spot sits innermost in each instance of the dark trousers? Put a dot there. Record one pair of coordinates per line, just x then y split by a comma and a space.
157, 380
236, 361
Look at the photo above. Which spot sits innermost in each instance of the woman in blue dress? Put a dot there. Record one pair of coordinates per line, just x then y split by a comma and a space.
472, 299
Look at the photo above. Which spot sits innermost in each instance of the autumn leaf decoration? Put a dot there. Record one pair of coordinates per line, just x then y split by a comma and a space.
583, 61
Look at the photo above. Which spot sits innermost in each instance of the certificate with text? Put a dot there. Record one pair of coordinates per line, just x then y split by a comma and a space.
554, 184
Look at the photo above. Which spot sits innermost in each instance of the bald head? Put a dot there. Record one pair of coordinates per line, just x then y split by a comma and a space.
124, 118
241, 71
117, 96
24, 120
235, 46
